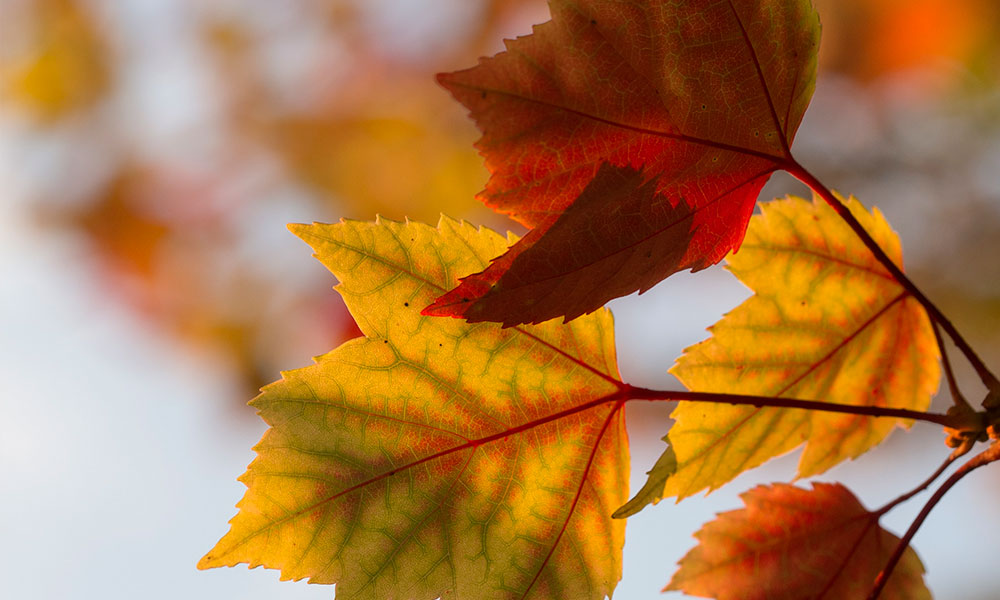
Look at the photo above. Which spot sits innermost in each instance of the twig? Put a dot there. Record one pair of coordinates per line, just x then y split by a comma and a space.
923, 486
984, 458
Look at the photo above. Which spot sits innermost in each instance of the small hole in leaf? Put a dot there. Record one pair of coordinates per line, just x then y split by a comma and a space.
704, 107
406, 304
385, 341
715, 159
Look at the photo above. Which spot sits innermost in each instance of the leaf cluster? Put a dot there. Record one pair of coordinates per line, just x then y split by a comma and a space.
485, 456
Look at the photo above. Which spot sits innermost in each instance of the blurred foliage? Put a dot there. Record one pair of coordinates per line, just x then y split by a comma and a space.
61, 62
174, 136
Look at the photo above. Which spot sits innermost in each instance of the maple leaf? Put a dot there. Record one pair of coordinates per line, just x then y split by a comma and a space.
433, 457
826, 322
790, 543
680, 110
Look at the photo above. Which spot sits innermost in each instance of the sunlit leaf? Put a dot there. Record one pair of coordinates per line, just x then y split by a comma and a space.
433, 457
826, 322
790, 543
681, 110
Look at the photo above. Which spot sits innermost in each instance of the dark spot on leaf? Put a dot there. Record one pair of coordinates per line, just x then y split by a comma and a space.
483, 94
704, 107
649, 254
406, 304
465, 299
593, 21
385, 341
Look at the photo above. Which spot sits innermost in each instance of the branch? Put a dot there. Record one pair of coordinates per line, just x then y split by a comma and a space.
982, 459
800, 173
964, 422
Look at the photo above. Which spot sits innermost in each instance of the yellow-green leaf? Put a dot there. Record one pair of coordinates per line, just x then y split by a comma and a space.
665, 466
826, 322
433, 457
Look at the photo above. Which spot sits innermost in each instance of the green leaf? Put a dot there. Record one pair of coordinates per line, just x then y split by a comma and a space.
433, 457
651, 491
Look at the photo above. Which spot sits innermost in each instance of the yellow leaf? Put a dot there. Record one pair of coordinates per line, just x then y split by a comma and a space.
433, 457
826, 322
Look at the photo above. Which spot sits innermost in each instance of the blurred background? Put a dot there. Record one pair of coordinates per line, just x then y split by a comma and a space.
151, 152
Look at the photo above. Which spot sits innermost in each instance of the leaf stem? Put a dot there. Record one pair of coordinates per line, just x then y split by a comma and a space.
799, 172
956, 394
923, 486
991, 454
972, 421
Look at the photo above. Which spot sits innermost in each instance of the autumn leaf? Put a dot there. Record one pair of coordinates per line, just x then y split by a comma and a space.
433, 457
790, 543
826, 322
681, 111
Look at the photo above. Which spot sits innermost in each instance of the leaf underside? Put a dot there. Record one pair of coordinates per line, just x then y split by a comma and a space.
790, 543
680, 110
433, 457
826, 322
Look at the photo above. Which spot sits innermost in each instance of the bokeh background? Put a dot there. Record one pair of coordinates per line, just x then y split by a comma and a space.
153, 150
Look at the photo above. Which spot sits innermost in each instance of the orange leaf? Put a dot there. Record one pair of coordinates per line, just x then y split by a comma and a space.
433, 457
680, 110
790, 543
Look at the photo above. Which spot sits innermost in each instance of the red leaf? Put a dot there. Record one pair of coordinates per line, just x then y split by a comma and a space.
790, 543
692, 106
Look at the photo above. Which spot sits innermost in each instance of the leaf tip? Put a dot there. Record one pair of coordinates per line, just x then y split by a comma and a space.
210, 560
297, 229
